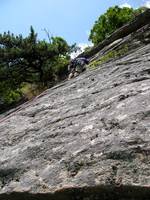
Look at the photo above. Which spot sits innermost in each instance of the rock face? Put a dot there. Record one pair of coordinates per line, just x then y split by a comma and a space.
84, 139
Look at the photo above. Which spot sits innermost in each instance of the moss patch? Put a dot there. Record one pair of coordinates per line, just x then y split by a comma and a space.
108, 56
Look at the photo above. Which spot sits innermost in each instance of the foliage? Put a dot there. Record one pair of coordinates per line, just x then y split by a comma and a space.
29, 60
114, 18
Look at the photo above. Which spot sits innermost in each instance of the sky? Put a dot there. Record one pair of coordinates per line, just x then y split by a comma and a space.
70, 19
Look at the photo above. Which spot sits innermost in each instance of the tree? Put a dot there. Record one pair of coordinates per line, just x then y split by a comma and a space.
24, 59
114, 18
29, 60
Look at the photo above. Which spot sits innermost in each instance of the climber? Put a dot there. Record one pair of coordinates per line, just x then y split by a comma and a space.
77, 66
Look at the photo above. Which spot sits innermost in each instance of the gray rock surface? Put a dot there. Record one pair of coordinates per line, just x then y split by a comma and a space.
86, 139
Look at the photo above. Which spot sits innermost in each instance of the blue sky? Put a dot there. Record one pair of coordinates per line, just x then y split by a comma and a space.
71, 19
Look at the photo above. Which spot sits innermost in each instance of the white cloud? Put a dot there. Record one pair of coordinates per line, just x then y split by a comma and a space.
82, 46
147, 4
125, 5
